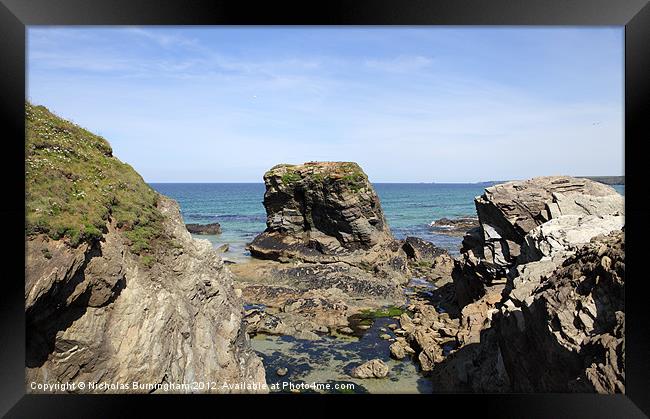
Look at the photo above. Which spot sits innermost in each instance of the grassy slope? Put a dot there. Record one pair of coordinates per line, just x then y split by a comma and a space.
74, 184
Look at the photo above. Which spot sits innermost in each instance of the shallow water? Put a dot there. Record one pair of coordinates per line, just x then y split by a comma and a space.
331, 359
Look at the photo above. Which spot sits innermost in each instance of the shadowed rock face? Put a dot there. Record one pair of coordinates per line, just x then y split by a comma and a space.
559, 328
568, 334
320, 212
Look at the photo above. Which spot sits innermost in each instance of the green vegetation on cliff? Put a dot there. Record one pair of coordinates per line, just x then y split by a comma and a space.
348, 173
290, 177
74, 184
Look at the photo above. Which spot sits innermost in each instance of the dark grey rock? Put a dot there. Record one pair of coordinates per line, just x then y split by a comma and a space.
205, 229
454, 226
421, 250
320, 212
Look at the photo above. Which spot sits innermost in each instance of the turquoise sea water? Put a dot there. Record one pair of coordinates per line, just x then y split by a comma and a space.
409, 208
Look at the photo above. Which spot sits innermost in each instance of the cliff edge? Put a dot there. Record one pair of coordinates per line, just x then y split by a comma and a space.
116, 289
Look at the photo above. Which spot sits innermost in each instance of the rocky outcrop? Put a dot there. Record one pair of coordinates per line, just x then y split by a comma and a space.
204, 229
327, 245
323, 212
559, 327
565, 234
116, 289
508, 212
426, 260
371, 369
454, 226
539, 289
514, 208
96, 314
569, 333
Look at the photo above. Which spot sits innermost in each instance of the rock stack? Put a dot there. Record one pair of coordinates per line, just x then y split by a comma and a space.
327, 216
322, 212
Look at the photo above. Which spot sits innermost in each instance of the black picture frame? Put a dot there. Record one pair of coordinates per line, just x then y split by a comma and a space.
15, 15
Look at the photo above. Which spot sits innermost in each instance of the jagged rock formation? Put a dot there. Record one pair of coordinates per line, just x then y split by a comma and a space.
539, 293
562, 331
509, 211
548, 314
569, 333
134, 299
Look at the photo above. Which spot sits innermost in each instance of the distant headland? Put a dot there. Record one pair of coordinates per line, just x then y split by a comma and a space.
607, 180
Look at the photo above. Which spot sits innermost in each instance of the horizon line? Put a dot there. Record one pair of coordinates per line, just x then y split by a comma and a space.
379, 182
262, 182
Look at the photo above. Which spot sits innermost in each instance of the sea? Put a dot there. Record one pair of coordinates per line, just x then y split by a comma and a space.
409, 209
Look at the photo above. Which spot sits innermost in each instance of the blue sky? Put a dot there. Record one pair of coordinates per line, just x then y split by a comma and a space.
418, 104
